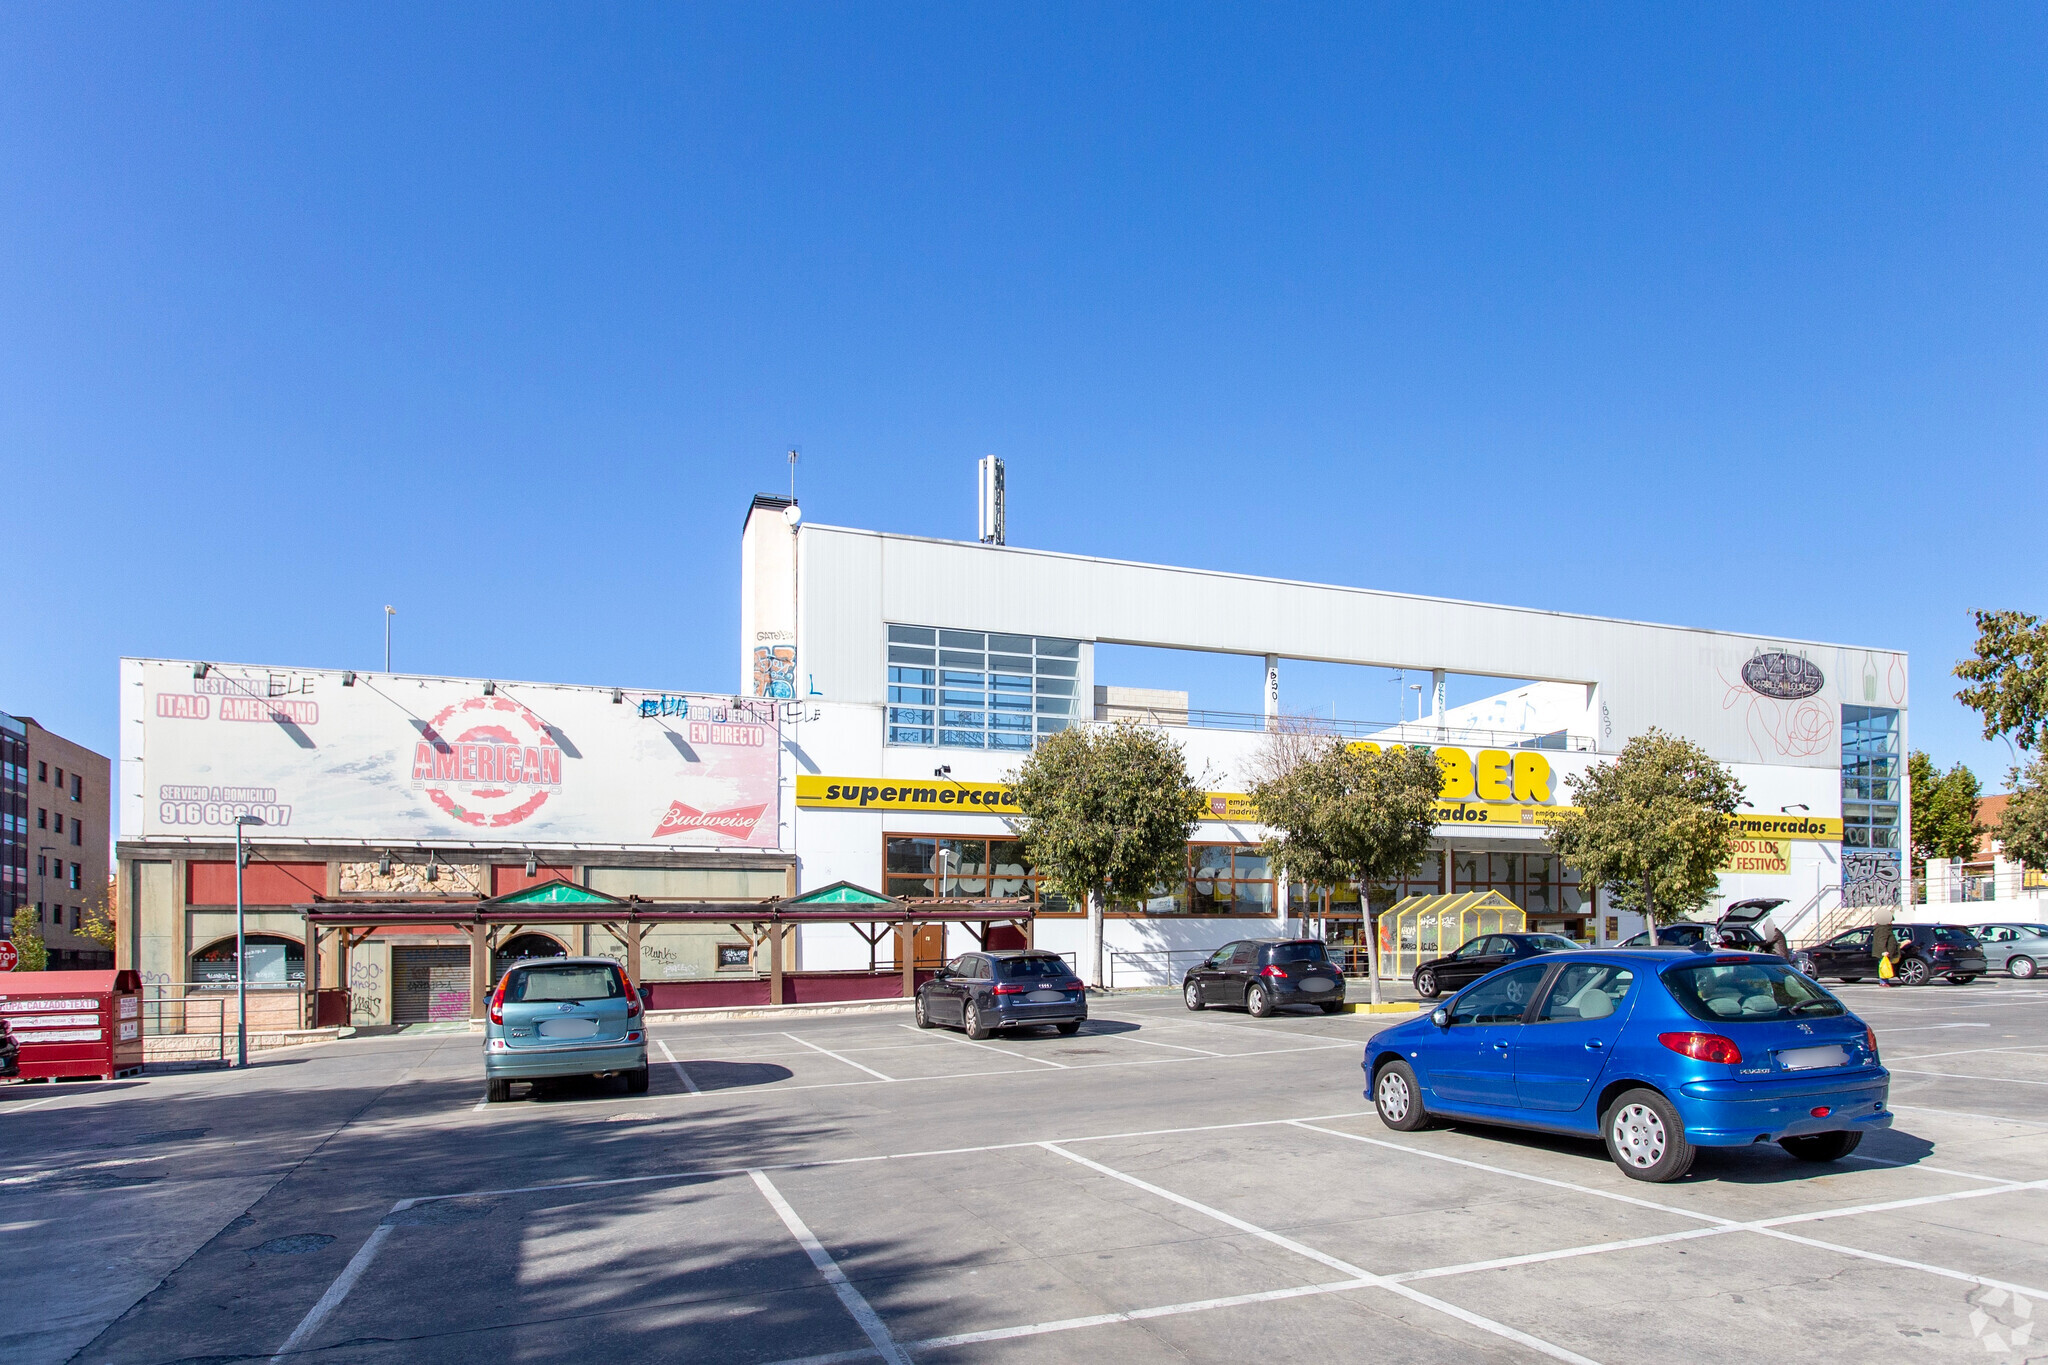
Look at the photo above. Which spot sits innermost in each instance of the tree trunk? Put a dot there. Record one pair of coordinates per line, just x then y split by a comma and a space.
1650, 909
1095, 940
1372, 943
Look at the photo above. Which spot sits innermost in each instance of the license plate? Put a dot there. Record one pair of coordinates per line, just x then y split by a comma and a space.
1046, 997
1807, 1058
1315, 983
568, 1028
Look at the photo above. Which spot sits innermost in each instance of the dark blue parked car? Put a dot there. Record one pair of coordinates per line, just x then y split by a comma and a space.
1658, 1051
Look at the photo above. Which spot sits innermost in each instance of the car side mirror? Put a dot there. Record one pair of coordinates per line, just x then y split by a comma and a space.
942, 974
1440, 1016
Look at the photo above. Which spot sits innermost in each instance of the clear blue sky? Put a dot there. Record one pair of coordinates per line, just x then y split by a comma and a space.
1729, 317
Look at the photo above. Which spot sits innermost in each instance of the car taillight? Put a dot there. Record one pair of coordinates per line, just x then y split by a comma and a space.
498, 1004
1273, 971
1011, 988
1870, 1041
1941, 950
1703, 1047
632, 999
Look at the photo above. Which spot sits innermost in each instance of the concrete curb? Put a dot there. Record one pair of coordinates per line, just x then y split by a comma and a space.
823, 1008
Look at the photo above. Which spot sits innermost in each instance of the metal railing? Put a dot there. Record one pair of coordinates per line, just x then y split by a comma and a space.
186, 1029
1166, 966
211, 1004
1385, 731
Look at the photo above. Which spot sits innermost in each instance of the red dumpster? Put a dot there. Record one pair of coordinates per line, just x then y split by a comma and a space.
75, 1023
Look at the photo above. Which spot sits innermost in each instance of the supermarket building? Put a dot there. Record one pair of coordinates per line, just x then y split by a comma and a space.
887, 686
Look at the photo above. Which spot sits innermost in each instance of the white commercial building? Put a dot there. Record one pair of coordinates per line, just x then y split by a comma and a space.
916, 673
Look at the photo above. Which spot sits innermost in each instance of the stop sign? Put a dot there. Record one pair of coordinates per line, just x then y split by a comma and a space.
8, 957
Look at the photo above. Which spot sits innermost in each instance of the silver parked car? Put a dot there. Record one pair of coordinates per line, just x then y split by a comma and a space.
564, 1016
2021, 949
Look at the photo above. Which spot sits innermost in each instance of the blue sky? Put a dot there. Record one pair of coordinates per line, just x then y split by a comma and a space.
1728, 316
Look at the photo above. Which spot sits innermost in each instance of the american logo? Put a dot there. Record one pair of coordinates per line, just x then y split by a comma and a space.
488, 762
736, 823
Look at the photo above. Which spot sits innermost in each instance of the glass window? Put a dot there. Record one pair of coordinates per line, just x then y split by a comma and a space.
978, 691
1500, 999
1586, 990
1856, 940
1943, 933
1299, 952
911, 635
1755, 992
1045, 968
1243, 954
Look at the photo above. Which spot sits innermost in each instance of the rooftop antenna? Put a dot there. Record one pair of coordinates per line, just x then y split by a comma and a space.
792, 473
991, 520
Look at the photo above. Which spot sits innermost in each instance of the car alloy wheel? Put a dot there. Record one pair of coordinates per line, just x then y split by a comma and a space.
1638, 1134
1193, 994
1802, 963
1425, 984
1257, 1003
971, 1021
2021, 967
1393, 1097
923, 1020
1913, 972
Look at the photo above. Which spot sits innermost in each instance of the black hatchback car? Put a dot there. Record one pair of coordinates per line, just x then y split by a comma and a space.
1454, 971
1925, 952
1004, 989
1263, 974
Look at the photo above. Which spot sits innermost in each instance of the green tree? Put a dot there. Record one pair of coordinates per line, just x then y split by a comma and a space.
1348, 813
1652, 826
1944, 811
32, 954
2009, 678
1107, 813
2023, 825
98, 924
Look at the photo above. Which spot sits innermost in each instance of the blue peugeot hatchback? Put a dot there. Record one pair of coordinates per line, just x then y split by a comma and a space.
564, 1016
1658, 1051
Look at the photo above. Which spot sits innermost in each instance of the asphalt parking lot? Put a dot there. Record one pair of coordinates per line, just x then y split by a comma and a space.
1163, 1186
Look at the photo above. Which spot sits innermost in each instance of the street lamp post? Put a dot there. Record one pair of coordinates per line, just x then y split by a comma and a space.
42, 883
241, 947
389, 612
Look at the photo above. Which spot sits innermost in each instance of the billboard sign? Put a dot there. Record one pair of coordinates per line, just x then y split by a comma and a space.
320, 754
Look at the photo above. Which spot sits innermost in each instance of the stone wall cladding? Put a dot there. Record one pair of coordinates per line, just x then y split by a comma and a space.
451, 879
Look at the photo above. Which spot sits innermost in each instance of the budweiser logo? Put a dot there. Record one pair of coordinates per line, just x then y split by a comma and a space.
736, 823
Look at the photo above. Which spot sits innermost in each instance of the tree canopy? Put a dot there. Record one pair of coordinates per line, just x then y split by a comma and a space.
1349, 813
31, 953
1651, 826
2023, 826
2008, 677
1944, 810
1107, 810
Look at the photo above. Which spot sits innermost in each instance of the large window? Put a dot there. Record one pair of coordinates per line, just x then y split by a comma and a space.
1538, 882
1870, 778
974, 867
970, 689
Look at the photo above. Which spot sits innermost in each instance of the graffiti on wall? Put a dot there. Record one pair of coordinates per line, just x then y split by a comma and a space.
365, 990
775, 671
1870, 877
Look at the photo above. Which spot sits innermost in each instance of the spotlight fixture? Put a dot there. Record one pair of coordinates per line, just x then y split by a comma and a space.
1797, 805
201, 670
490, 689
618, 696
384, 866
532, 864
433, 872
348, 677
945, 770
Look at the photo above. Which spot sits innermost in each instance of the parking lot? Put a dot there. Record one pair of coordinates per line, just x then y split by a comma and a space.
1163, 1186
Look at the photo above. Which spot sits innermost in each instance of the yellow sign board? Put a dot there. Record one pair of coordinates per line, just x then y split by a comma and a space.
928, 794
1746, 853
1827, 828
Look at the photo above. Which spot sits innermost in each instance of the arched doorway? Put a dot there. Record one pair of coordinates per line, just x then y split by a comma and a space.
521, 948
273, 961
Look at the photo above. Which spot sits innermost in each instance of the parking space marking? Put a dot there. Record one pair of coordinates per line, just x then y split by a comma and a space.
861, 1310
837, 1058
32, 1104
1769, 1227
1930, 1028
1148, 1042
2021, 1049
1464, 1315
681, 1074
1022, 1056
1959, 1075
343, 1283
1959, 1114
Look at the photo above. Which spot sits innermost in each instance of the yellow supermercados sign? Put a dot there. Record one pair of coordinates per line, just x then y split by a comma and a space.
1826, 828
878, 793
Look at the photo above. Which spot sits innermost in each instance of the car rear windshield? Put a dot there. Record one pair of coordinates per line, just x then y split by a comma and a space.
1954, 937
1298, 952
1552, 943
563, 983
1748, 992
1035, 969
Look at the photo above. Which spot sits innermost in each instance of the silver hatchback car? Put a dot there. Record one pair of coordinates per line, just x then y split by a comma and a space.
2021, 949
564, 1016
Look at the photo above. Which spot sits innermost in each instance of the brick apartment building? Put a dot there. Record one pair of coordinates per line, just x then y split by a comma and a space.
58, 798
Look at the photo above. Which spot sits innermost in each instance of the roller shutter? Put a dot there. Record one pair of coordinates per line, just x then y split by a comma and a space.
429, 984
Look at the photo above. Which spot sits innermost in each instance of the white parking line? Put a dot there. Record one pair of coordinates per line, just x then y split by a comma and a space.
861, 1310
1021, 1056
343, 1282
2019, 1049
1960, 1114
1342, 1267
1928, 1028
837, 1058
1958, 1075
32, 1104
1177, 1047
683, 1075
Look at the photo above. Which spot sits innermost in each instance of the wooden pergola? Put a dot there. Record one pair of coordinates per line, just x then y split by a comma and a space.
490, 921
